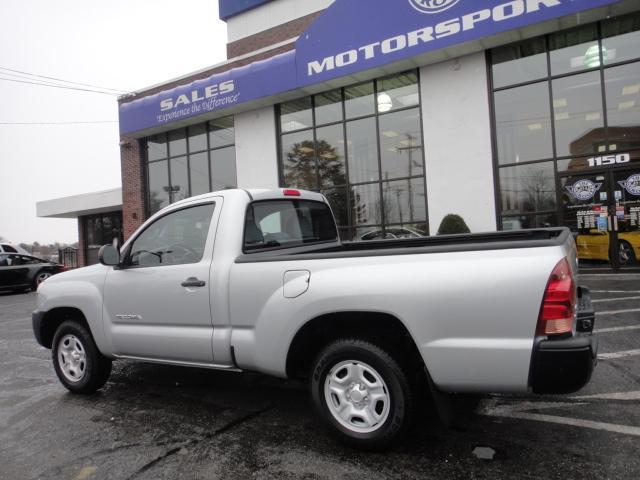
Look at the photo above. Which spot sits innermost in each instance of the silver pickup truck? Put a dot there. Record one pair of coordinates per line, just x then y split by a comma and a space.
259, 280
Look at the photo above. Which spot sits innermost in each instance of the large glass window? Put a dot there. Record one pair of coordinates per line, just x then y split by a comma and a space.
523, 123
560, 101
190, 161
361, 146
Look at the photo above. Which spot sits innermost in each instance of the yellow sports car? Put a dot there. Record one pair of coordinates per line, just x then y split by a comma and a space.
595, 246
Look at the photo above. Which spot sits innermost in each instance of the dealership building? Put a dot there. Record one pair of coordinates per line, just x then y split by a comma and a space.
511, 114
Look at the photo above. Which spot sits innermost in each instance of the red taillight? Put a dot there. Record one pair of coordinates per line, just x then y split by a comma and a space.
289, 192
558, 303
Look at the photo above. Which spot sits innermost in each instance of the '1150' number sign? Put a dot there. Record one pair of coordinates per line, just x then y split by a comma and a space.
609, 160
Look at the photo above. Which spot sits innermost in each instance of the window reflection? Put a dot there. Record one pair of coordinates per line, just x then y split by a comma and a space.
298, 160
197, 138
179, 179
621, 37
519, 63
399, 91
574, 50
586, 135
358, 100
200, 158
199, 173
341, 154
328, 107
404, 201
528, 188
157, 147
622, 87
296, 115
330, 154
401, 144
177, 142
523, 124
221, 132
337, 198
520, 222
362, 150
158, 185
577, 109
367, 204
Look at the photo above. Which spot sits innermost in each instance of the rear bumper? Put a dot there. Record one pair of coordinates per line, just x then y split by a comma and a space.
565, 365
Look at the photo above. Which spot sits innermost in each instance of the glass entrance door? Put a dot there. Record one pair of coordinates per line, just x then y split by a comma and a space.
603, 211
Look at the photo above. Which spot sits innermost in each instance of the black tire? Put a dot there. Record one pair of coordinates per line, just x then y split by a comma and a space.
626, 255
38, 278
400, 399
96, 367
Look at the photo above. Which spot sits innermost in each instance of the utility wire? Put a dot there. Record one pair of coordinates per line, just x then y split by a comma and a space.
57, 86
62, 80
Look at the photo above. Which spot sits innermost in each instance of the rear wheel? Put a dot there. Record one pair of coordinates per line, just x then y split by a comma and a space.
626, 256
77, 361
362, 393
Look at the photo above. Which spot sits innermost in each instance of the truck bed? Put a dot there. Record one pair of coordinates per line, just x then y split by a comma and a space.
542, 237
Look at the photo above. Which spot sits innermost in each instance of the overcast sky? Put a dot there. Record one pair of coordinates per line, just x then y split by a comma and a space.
119, 44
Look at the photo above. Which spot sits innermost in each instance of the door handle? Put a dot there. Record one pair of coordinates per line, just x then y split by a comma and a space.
193, 282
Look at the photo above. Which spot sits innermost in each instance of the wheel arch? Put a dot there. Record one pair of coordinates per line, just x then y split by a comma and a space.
55, 317
382, 329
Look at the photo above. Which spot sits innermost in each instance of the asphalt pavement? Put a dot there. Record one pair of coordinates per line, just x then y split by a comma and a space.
157, 422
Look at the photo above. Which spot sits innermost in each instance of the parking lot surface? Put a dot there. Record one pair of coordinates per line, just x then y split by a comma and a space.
155, 422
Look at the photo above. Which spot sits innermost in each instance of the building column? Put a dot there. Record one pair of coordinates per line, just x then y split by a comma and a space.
82, 261
133, 185
256, 151
457, 139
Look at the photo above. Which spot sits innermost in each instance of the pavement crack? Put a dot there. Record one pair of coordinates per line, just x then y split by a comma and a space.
236, 422
156, 460
225, 428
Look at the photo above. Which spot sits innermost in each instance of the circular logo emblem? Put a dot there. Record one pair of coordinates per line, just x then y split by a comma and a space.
432, 6
632, 184
584, 189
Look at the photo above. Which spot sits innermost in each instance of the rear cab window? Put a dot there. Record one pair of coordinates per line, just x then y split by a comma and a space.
274, 224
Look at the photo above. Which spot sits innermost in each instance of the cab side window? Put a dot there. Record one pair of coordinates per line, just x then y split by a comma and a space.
174, 239
4, 260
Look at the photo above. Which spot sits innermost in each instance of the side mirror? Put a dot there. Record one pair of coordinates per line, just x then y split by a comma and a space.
109, 256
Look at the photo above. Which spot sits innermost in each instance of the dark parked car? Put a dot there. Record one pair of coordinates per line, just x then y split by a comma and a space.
21, 272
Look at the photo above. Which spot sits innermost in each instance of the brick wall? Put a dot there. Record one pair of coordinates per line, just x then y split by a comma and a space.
270, 37
133, 185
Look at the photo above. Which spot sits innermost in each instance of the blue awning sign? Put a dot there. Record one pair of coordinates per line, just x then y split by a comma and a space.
350, 36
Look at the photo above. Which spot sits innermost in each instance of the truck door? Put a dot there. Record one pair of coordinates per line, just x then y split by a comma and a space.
157, 305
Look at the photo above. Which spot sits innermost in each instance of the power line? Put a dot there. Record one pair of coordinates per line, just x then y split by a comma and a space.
62, 80
59, 123
57, 86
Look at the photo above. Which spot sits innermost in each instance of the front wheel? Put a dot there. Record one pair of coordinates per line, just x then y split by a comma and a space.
362, 393
77, 361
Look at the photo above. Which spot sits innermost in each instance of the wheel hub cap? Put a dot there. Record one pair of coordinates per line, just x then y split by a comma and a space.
357, 396
72, 358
